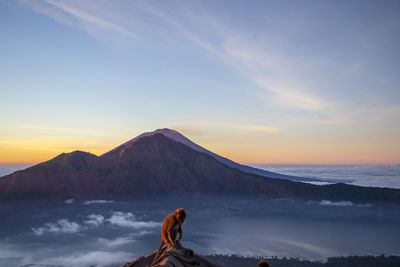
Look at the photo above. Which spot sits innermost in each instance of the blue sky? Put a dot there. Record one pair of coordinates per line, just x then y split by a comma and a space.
255, 81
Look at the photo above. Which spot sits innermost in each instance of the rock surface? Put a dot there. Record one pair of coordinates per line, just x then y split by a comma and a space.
172, 257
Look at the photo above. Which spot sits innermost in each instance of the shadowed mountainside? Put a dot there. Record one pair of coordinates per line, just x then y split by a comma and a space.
156, 165
178, 137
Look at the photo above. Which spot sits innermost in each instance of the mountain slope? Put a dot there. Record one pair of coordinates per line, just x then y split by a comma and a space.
178, 137
65, 175
155, 165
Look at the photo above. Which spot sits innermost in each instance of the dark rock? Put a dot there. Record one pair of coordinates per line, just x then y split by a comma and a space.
172, 257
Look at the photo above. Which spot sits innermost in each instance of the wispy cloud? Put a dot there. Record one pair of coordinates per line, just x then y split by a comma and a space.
197, 128
262, 67
117, 219
98, 20
181, 27
94, 220
312, 249
251, 127
336, 204
127, 219
342, 203
91, 18
92, 258
98, 201
63, 226
121, 240
274, 73
70, 201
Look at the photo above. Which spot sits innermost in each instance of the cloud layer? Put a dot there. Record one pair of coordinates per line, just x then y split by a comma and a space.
63, 226
127, 219
336, 204
98, 201
117, 219
93, 258
343, 203
94, 220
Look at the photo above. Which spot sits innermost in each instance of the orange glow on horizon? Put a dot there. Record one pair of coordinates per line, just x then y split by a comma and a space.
248, 156
245, 149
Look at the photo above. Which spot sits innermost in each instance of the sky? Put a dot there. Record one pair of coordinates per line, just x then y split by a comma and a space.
272, 82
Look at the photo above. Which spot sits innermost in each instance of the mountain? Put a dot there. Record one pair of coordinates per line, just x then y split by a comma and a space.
155, 164
68, 172
176, 136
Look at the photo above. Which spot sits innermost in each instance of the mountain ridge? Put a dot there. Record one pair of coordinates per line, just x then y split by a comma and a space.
178, 137
156, 165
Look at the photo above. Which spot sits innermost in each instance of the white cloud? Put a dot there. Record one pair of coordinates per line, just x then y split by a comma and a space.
127, 219
117, 241
117, 219
276, 73
99, 201
94, 220
294, 97
197, 128
93, 258
70, 201
90, 18
317, 182
98, 20
63, 226
273, 72
122, 240
311, 248
343, 204
336, 204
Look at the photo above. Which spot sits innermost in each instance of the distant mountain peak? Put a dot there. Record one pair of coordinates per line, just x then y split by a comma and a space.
172, 134
169, 133
180, 138
155, 164
75, 154
75, 158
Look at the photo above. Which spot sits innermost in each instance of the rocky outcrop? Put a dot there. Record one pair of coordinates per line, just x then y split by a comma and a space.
172, 257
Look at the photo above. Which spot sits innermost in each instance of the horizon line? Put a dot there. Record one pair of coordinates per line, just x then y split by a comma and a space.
250, 163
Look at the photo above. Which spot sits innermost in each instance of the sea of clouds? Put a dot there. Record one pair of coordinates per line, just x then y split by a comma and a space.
115, 232
343, 203
363, 175
116, 219
91, 239
92, 258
